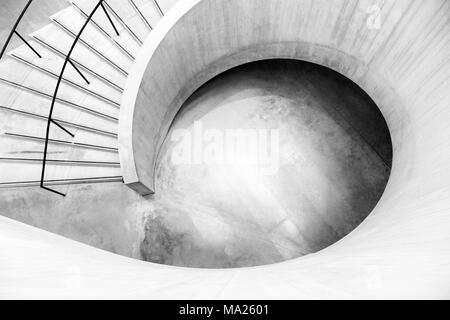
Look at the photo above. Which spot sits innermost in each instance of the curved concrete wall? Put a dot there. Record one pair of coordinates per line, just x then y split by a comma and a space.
201, 39
402, 250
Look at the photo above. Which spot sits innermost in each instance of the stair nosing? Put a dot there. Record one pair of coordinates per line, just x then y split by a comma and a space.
45, 118
63, 142
103, 31
65, 80
141, 15
124, 25
70, 181
64, 162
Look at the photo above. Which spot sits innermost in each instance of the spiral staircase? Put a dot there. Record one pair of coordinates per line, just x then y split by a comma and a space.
82, 142
400, 251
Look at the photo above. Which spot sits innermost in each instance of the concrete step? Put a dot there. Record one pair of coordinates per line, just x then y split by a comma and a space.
25, 173
13, 121
147, 11
87, 104
165, 5
21, 75
119, 15
18, 98
60, 42
20, 146
132, 16
52, 64
61, 182
71, 21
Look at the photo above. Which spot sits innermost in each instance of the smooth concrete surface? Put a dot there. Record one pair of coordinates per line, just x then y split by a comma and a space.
400, 251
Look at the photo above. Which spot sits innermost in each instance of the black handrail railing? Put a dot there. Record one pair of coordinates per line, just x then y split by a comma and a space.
67, 60
14, 31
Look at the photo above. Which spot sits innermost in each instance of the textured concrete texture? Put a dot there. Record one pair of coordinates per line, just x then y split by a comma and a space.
401, 250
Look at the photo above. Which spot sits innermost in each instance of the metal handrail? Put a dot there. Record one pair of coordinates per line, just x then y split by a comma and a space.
14, 31
67, 61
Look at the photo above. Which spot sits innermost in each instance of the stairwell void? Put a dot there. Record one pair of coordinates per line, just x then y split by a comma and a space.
269, 161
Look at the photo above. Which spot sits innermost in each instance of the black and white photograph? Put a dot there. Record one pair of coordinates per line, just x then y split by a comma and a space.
224, 150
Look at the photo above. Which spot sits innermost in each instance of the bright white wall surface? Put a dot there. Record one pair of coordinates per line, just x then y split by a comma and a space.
402, 250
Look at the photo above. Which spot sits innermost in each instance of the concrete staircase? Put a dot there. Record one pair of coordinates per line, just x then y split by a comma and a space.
87, 104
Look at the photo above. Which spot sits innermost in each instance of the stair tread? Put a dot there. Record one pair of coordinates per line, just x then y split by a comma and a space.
72, 20
24, 75
166, 5
126, 35
31, 171
149, 11
18, 99
53, 63
18, 147
18, 123
60, 182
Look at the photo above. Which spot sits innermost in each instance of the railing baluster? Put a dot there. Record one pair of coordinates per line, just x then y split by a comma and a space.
109, 18
79, 72
62, 128
29, 45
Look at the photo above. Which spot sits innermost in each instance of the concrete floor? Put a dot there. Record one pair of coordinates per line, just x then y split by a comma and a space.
333, 164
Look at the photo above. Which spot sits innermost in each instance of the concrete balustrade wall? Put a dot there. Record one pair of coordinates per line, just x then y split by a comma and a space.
201, 39
402, 250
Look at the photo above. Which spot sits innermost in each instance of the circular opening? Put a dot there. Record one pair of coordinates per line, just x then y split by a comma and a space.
267, 162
